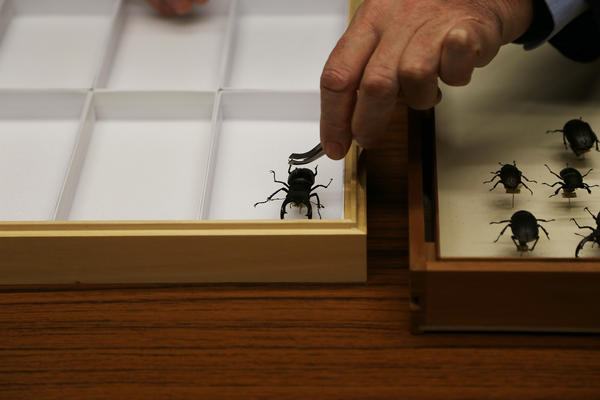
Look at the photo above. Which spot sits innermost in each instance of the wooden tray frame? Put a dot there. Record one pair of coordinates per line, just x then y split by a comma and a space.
104, 252
69, 253
481, 294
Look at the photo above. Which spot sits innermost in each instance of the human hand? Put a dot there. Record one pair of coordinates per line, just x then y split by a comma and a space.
395, 51
175, 7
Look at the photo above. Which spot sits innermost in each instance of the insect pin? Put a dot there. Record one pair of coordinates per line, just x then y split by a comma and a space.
299, 190
525, 228
580, 136
510, 176
593, 237
570, 179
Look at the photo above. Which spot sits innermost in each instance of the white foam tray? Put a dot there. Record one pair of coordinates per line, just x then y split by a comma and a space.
503, 116
112, 112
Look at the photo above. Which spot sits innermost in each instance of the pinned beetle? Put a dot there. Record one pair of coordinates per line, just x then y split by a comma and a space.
571, 180
298, 189
510, 176
580, 136
593, 237
524, 227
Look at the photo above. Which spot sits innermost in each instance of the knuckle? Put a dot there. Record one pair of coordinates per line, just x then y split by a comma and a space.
380, 82
336, 78
416, 72
464, 40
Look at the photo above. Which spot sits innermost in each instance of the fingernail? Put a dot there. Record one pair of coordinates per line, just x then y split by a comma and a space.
334, 150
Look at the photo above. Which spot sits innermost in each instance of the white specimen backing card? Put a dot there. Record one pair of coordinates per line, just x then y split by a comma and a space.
154, 52
502, 116
257, 133
283, 44
145, 161
144, 148
36, 141
52, 45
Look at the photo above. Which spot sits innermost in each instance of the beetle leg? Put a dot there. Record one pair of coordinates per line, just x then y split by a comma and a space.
557, 190
587, 187
554, 130
554, 184
319, 206
323, 186
500, 222
528, 180
514, 239
534, 243
497, 183
544, 229
588, 210
581, 244
316, 166
527, 187
309, 210
283, 206
271, 196
501, 233
597, 145
276, 181
583, 176
581, 227
552, 172
494, 177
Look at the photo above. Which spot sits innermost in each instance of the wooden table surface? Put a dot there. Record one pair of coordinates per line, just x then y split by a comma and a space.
283, 341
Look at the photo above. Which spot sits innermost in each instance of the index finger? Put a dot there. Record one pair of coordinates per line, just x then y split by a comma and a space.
339, 82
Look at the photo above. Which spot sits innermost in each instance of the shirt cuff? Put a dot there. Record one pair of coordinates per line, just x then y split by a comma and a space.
562, 12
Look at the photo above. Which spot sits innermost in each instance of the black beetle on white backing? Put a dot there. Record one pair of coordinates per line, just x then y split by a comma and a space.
593, 237
298, 189
571, 179
580, 136
510, 176
525, 229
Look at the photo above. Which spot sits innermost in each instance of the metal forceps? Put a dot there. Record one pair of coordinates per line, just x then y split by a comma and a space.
309, 156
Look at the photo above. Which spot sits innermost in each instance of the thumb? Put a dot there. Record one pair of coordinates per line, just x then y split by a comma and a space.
468, 44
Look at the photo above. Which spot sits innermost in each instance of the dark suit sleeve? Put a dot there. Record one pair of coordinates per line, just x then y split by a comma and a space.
579, 40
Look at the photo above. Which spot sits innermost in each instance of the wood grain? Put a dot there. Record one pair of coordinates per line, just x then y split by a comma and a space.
293, 341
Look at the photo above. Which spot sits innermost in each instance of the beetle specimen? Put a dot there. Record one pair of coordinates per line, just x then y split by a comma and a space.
580, 136
571, 180
299, 188
510, 177
594, 237
524, 227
